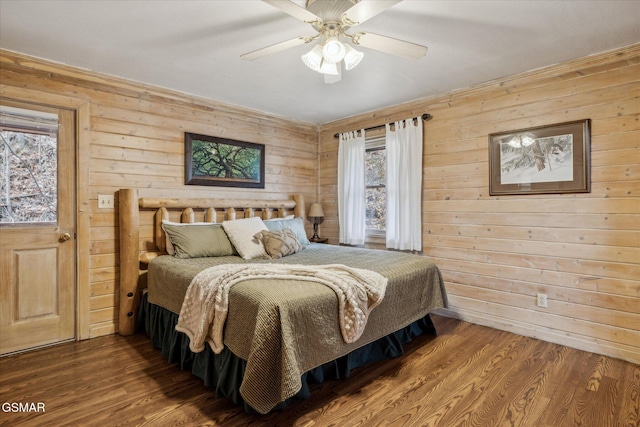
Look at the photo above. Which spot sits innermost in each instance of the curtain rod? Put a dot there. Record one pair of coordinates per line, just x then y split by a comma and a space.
425, 117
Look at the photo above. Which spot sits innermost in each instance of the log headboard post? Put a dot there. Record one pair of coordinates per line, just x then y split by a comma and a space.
299, 210
129, 260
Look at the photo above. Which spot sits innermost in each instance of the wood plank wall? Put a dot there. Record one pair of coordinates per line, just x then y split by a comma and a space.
136, 139
579, 249
496, 253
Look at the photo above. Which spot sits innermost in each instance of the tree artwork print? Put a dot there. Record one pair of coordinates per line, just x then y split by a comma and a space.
223, 162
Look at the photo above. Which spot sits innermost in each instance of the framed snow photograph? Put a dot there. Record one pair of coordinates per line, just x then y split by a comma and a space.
546, 159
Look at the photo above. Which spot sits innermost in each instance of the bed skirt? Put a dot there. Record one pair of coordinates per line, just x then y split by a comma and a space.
224, 372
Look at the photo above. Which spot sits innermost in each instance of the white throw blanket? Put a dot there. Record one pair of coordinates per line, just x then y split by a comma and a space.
205, 306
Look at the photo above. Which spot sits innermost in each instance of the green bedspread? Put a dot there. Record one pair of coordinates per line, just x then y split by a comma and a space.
285, 328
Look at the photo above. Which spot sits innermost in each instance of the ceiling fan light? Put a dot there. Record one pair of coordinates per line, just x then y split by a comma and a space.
352, 57
329, 68
333, 50
313, 58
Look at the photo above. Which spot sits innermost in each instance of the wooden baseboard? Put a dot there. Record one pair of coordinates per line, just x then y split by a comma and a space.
102, 329
614, 350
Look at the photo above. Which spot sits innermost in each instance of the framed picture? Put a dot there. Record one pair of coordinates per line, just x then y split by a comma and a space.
546, 159
209, 160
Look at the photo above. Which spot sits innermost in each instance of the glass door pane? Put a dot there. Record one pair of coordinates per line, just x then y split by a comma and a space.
28, 166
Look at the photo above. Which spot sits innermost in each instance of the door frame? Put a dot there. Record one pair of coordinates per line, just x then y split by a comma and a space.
82, 110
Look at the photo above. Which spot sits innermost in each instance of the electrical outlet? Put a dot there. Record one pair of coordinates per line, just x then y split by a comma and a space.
105, 201
541, 300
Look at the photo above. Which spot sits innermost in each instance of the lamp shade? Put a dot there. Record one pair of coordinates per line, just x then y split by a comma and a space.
315, 211
313, 58
352, 57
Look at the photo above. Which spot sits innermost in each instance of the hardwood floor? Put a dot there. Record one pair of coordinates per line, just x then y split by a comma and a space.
467, 376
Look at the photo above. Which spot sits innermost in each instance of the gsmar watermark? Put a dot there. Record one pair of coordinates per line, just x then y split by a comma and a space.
23, 407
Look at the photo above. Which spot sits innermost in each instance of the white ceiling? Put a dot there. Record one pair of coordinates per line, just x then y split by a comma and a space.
195, 47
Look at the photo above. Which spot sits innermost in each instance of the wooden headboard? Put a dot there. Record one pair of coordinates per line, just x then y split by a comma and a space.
142, 237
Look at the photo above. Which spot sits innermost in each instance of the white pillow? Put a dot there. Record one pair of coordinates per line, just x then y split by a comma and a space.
241, 232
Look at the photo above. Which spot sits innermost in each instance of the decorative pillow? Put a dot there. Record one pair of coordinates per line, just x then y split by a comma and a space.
279, 244
241, 232
296, 225
195, 240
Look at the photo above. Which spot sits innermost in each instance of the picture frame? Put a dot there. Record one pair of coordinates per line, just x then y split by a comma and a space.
541, 160
210, 160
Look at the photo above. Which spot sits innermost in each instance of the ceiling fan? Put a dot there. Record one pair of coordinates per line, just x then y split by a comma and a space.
331, 19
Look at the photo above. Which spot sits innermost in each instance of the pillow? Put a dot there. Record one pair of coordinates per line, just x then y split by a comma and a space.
296, 225
168, 244
280, 219
279, 244
241, 232
195, 240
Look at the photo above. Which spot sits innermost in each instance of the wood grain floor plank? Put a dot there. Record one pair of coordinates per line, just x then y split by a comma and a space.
628, 412
492, 374
415, 395
495, 398
468, 375
564, 379
402, 379
526, 402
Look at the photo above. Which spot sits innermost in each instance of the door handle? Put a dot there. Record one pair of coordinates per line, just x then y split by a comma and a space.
64, 237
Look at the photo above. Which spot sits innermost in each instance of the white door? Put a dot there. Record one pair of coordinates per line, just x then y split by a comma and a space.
37, 226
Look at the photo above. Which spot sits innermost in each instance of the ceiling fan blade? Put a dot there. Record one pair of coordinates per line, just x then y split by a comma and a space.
333, 78
364, 10
390, 45
275, 48
294, 10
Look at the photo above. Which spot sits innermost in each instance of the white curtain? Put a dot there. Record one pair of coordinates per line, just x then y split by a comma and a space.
404, 185
351, 188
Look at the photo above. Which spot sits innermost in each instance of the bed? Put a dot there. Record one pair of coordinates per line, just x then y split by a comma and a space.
279, 335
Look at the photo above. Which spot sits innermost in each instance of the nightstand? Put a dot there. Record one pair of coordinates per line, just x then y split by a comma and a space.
318, 240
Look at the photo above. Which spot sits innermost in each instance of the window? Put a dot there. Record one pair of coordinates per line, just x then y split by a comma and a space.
375, 181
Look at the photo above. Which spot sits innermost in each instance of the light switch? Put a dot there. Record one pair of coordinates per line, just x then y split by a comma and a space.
105, 201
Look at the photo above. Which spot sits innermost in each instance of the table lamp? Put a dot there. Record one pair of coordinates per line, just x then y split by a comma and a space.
316, 214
